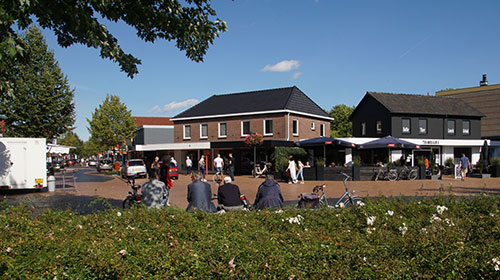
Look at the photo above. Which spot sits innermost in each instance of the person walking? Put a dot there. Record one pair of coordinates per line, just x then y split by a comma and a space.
219, 164
201, 164
199, 194
189, 165
292, 168
165, 176
464, 166
230, 164
155, 167
300, 173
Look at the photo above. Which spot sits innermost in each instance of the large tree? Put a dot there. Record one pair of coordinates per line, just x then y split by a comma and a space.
341, 126
71, 139
192, 25
112, 124
42, 103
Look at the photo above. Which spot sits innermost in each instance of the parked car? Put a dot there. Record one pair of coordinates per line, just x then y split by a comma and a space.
133, 167
104, 165
173, 171
93, 162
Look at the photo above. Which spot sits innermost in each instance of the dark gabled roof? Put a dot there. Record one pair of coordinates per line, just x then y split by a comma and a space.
425, 104
290, 98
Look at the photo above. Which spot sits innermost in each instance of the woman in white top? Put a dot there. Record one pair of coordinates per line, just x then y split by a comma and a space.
292, 168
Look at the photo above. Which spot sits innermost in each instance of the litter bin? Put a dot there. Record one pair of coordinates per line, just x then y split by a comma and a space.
51, 182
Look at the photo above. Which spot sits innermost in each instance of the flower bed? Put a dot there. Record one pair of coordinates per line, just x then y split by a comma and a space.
385, 238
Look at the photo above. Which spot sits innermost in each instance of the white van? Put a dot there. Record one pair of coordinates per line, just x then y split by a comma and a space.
23, 163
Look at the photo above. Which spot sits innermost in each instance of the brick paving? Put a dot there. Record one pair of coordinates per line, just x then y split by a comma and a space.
91, 185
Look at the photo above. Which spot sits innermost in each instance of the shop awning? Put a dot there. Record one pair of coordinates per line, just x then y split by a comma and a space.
320, 141
389, 142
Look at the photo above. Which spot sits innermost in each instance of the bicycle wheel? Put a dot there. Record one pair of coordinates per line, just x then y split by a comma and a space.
392, 175
127, 203
354, 201
413, 175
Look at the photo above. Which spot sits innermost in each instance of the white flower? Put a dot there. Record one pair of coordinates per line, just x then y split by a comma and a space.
294, 220
371, 220
364, 259
390, 213
129, 227
370, 229
449, 222
341, 205
8, 249
118, 214
496, 262
492, 215
278, 211
423, 230
79, 226
403, 229
435, 218
361, 203
441, 209
122, 252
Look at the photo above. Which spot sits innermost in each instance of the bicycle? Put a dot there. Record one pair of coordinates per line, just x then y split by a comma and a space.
257, 171
391, 174
346, 200
132, 197
408, 174
218, 177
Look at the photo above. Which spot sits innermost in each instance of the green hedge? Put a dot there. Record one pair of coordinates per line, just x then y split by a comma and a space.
414, 242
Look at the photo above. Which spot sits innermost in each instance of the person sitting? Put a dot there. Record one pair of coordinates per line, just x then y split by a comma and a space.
268, 195
199, 194
228, 196
333, 164
307, 165
154, 192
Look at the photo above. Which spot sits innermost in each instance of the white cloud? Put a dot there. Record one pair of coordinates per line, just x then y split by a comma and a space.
296, 75
282, 66
174, 106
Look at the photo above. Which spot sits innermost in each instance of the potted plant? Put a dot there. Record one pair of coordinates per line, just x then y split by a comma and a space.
495, 167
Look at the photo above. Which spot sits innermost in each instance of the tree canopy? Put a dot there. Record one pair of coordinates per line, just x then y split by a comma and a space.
341, 126
112, 124
71, 139
191, 25
42, 103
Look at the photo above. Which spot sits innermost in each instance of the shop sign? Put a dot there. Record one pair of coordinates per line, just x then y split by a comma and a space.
430, 142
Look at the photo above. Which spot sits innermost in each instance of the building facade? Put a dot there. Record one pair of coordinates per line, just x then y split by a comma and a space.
444, 126
222, 122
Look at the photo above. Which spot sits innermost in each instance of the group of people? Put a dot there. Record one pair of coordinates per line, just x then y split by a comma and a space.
295, 171
219, 163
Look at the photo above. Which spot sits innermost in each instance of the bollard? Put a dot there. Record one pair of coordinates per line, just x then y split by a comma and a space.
51, 183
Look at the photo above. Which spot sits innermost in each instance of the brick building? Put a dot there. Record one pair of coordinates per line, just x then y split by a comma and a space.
221, 123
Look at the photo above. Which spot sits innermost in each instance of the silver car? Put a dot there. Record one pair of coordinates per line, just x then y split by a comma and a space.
104, 165
134, 167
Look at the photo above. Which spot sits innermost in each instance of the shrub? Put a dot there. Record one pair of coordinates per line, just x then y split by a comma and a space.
495, 161
386, 238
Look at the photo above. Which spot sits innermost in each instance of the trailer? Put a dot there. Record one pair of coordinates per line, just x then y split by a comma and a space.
23, 163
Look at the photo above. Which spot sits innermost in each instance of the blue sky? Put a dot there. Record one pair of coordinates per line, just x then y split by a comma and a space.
334, 51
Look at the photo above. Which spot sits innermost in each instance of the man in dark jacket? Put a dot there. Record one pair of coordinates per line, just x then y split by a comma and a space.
228, 195
199, 194
269, 195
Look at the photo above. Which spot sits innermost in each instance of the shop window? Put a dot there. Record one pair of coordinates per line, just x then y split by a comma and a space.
313, 126
321, 129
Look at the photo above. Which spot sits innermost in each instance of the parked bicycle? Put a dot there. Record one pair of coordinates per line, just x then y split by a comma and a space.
133, 196
317, 199
408, 173
258, 171
218, 177
386, 174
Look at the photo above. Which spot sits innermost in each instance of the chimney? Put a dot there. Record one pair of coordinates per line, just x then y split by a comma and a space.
484, 82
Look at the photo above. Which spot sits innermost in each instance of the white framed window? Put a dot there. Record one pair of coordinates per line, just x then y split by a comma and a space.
222, 130
379, 127
466, 127
245, 128
268, 127
187, 131
204, 131
422, 126
313, 126
363, 128
321, 129
295, 127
